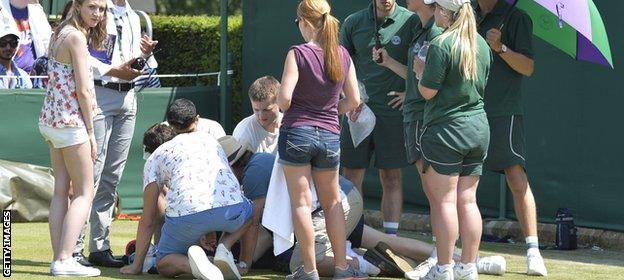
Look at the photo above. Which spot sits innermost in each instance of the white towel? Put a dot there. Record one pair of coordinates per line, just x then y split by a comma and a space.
277, 215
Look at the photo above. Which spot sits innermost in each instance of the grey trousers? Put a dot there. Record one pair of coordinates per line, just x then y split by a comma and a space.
113, 130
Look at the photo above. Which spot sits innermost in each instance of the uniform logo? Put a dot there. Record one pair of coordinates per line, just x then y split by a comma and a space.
396, 40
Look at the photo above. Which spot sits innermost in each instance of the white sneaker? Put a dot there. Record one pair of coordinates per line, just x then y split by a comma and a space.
224, 260
535, 265
434, 274
70, 267
465, 272
201, 267
422, 269
494, 265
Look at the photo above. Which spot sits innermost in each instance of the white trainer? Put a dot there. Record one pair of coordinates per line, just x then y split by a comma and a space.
434, 274
201, 267
535, 265
70, 267
422, 269
465, 272
494, 265
224, 260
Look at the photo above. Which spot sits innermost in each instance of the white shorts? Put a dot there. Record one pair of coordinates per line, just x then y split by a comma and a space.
64, 137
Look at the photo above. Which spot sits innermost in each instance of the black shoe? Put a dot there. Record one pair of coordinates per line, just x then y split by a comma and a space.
80, 258
105, 258
387, 266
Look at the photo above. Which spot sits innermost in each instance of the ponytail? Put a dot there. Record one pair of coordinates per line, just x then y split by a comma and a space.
328, 39
464, 30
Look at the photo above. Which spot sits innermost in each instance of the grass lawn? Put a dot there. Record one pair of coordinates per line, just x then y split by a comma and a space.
31, 254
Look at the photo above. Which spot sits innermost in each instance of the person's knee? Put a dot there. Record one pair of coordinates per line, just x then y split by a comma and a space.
165, 269
390, 178
517, 179
466, 199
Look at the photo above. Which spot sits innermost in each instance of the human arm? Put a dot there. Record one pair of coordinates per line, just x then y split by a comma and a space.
351, 92
145, 229
77, 44
390, 63
516, 60
432, 73
289, 81
250, 238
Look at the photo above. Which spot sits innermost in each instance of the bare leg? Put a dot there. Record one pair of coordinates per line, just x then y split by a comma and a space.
228, 239
441, 191
411, 248
60, 202
80, 169
392, 198
326, 266
329, 195
356, 176
524, 202
173, 265
298, 179
470, 223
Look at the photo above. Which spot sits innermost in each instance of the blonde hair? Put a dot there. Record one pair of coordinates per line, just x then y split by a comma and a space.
95, 35
464, 30
317, 13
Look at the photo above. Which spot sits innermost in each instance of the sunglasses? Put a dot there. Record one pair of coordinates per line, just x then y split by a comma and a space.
10, 42
297, 22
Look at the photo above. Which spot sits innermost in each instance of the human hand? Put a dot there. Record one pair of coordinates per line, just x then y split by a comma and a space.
147, 45
493, 38
380, 53
93, 146
130, 270
127, 73
418, 68
353, 115
397, 101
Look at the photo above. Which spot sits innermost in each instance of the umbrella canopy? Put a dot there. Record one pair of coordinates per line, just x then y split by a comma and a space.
573, 26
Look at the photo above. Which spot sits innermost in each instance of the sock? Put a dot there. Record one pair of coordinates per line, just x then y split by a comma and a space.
444, 267
532, 245
391, 227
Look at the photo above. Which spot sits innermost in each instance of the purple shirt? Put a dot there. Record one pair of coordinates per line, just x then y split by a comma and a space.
25, 56
315, 97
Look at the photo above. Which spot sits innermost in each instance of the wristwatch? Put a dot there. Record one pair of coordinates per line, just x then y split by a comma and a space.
503, 49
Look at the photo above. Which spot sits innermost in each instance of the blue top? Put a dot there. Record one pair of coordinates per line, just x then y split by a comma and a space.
25, 57
20, 78
257, 175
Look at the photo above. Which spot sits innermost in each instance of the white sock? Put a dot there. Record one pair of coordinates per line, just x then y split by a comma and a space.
532, 245
391, 228
444, 267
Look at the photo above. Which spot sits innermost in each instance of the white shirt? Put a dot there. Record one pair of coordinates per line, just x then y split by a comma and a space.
209, 126
195, 168
249, 132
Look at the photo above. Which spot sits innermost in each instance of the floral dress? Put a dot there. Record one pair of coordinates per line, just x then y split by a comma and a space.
60, 106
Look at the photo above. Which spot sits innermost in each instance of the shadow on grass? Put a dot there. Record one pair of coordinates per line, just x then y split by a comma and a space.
29, 263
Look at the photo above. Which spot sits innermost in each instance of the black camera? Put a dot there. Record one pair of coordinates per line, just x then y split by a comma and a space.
139, 63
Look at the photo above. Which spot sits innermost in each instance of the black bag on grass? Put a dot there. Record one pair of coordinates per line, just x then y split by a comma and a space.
566, 230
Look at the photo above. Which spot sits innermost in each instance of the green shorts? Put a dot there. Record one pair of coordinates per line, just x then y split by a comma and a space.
507, 143
457, 147
386, 141
412, 131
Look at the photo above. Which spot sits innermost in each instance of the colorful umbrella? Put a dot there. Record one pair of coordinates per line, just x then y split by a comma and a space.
573, 26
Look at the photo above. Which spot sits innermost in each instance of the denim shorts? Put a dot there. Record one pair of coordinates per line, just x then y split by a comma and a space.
308, 145
180, 233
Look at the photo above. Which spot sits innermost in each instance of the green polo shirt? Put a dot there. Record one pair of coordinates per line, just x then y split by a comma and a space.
456, 96
414, 104
357, 36
503, 92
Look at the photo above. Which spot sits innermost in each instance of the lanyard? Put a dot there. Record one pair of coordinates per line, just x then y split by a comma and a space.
119, 28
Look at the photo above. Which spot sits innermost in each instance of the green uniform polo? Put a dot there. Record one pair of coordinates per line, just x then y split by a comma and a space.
502, 94
357, 36
414, 104
456, 96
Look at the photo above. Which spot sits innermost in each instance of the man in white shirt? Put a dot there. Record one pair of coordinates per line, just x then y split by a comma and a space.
261, 130
114, 128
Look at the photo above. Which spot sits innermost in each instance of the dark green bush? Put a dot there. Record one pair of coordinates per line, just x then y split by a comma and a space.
190, 44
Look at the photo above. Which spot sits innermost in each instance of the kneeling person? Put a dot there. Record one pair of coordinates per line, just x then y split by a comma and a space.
203, 196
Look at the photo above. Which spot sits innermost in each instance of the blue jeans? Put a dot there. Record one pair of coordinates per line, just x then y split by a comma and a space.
180, 233
308, 145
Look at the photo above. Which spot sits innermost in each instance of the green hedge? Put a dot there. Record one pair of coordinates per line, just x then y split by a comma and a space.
191, 44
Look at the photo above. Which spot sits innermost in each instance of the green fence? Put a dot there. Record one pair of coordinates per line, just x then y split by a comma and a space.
573, 118
20, 139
